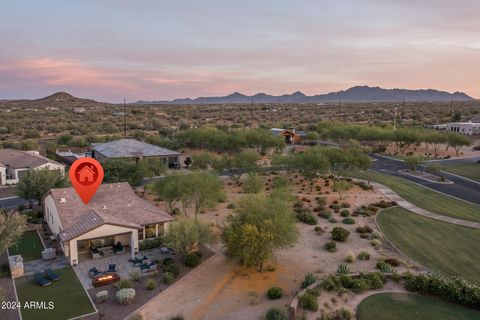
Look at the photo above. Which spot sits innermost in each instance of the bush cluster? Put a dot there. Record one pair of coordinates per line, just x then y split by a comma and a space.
276, 314
342, 314
365, 281
325, 214
191, 260
305, 215
363, 256
309, 300
331, 246
274, 293
364, 229
308, 280
150, 243
340, 234
452, 289
348, 221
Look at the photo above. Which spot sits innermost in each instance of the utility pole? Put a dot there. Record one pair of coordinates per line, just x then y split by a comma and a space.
403, 110
395, 120
339, 102
451, 107
124, 118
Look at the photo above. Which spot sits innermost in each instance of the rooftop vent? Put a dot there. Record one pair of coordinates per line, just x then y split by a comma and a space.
104, 207
63, 200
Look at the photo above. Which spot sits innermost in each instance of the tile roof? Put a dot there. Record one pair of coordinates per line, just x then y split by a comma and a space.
18, 159
127, 148
114, 203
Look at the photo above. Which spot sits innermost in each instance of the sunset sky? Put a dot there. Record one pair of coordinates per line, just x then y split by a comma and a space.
160, 49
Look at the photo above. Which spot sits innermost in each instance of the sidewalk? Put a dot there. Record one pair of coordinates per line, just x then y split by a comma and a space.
407, 205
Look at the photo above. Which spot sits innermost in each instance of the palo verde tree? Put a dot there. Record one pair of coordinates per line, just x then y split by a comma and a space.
36, 183
170, 190
237, 164
186, 235
12, 226
413, 161
312, 164
262, 225
202, 190
457, 142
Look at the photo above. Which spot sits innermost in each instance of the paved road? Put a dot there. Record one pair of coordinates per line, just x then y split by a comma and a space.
461, 188
13, 202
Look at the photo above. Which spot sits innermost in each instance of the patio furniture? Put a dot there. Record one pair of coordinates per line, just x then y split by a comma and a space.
118, 248
111, 268
148, 266
93, 272
49, 274
41, 280
95, 253
49, 253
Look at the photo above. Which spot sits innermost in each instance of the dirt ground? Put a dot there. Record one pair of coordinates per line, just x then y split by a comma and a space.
224, 290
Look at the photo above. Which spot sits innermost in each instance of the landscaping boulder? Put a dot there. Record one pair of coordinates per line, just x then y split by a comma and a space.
126, 296
101, 296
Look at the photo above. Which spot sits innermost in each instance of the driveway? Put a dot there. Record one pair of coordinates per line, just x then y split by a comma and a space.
12, 202
464, 189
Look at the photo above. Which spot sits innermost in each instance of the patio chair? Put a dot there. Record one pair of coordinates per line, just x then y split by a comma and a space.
112, 268
118, 248
93, 272
49, 274
41, 280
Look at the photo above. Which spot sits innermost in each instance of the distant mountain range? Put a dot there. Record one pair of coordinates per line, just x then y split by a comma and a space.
354, 94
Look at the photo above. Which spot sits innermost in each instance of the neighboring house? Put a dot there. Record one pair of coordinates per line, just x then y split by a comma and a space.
466, 128
132, 149
16, 163
79, 110
114, 215
70, 155
291, 135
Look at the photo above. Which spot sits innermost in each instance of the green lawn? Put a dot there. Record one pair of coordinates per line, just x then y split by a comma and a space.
67, 294
437, 245
468, 170
425, 198
29, 246
403, 306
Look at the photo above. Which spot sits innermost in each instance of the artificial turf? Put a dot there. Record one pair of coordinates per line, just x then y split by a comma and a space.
402, 306
67, 294
29, 246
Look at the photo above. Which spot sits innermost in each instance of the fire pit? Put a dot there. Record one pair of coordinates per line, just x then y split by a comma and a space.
104, 279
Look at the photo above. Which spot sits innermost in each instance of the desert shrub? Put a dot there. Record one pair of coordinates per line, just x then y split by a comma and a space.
332, 220
384, 267
363, 256
345, 213
393, 262
452, 289
276, 314
150, 243
308, 302
345, 205
350, 257
325, 214
123, 284
191, 260
375, 235
322, 201
134, 275
335, 206
305, 215
319, 230
375, 243
375, 280
348, 221
150, 284
125, 296
308, 280
365, 281
168, 277
172, 268
252, 184
331, 246
167, 261
342, 314
343, 269
364, 229
340, 234
231, 206
177, 317
274, 293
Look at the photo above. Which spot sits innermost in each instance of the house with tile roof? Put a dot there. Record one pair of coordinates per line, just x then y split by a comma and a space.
292, 136
115, 215
16, 163
132, 149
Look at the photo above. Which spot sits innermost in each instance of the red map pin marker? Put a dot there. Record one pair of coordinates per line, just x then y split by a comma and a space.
86, 175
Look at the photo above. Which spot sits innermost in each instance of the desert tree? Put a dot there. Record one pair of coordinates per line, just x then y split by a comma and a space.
202, 190
457, 142
237, 164
262, 225
12, 226
186, 235
36, 183
169, 189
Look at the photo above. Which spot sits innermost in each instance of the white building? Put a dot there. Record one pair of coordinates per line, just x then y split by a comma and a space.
466, 128
16, 163
115, 220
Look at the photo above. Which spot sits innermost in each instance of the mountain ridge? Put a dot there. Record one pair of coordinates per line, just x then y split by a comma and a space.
353, 94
